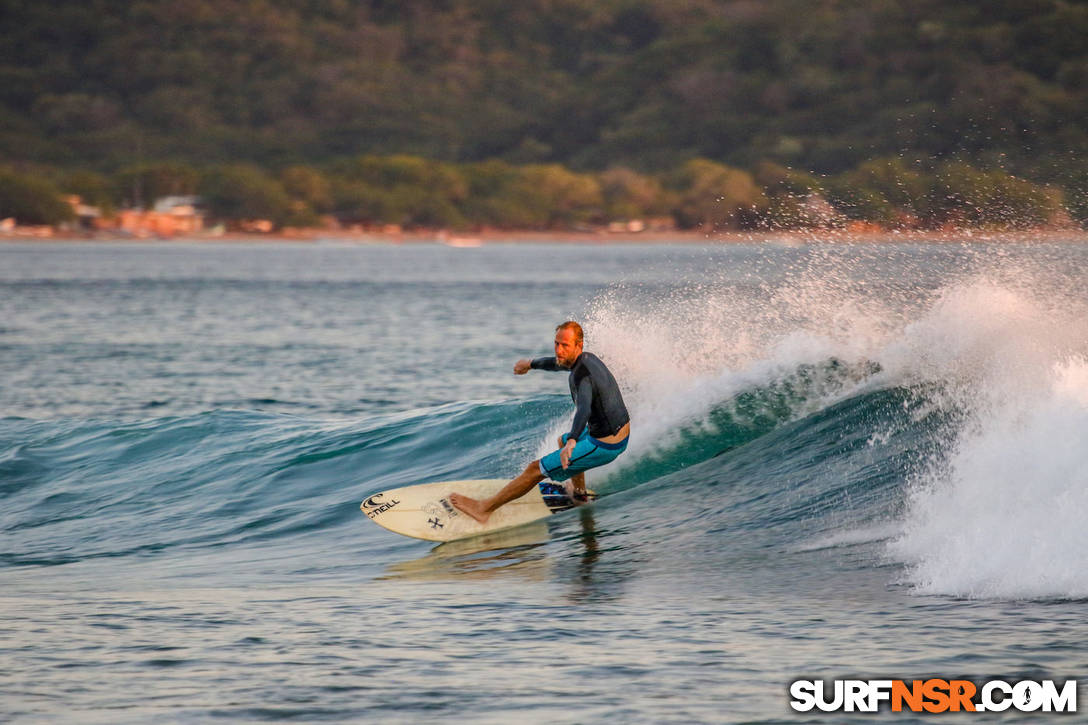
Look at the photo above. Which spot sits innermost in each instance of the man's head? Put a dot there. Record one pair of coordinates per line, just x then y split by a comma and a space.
568, 343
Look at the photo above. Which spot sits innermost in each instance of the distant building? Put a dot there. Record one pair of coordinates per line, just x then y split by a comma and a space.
258, 226
630, 226
87, 217
170, 216
186, 218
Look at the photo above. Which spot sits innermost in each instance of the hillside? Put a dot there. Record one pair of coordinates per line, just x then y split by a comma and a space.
819, 85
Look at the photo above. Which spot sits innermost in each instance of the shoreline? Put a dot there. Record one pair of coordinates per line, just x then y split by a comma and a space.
591, 237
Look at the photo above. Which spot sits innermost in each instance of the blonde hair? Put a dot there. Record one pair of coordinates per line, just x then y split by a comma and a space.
572, 325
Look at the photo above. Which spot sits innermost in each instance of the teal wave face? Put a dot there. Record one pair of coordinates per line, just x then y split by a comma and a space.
74, 491
745, 417
79, 490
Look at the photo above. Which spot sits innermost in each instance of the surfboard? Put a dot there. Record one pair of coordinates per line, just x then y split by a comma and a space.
424, 511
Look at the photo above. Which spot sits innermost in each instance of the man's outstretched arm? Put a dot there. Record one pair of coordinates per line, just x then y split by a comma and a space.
541, 363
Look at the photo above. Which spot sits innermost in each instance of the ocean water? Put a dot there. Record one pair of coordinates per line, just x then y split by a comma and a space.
847, 461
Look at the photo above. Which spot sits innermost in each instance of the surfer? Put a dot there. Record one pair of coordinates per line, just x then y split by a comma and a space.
597, 435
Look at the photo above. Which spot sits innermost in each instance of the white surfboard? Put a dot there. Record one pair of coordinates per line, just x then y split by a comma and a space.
425, 511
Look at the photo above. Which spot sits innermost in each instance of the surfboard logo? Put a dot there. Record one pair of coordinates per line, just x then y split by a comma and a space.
374, 506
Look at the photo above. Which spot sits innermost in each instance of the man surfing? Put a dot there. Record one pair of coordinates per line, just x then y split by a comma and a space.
598, 434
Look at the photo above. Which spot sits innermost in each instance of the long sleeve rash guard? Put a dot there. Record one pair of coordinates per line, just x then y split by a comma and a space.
596, 396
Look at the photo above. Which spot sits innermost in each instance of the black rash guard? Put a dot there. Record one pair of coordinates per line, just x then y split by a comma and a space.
597, 399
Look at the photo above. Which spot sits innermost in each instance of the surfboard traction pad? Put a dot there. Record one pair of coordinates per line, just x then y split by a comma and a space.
446, 523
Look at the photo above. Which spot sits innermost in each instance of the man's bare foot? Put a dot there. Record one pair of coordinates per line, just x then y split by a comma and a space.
470, 506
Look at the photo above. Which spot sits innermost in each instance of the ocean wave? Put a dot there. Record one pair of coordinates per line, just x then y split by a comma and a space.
1001, 514
937, 432
971, 390
76, 490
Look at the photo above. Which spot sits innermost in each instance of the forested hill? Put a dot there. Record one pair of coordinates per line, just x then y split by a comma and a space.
818, 85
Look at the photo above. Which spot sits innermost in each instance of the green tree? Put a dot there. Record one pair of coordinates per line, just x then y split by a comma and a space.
355, 202
238, 192
489, 201
716, 196
794, 198
777, 180
627, 194
94, 189
963, 195
884, 191
31, 199
550, 196
401, 189
306, 184
142, 184
310, 194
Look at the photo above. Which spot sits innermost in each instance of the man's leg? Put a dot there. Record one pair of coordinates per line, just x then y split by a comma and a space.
482, 510
579, 481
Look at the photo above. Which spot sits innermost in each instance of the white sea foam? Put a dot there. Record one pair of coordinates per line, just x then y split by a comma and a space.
1002, 346
681, 356
1004, 514
851, 537
1007, 516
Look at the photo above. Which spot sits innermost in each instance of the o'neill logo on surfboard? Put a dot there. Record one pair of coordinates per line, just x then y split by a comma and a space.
424, 511
374, 506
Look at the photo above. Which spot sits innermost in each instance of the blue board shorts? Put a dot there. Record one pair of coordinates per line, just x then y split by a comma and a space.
588, 453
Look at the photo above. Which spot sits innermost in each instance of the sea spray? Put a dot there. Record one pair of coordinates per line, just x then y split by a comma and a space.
795, 338
990, 354
1007, 517
1002, 515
